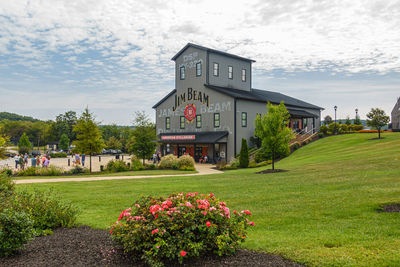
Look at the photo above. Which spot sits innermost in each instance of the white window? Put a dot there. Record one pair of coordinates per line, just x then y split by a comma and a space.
216, 69
182, 73
243, 75
198, 69
230, 72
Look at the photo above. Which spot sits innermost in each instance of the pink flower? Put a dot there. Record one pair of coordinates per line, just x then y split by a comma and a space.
137, 205
188, 204
246, 211
208, 223
251, 223
212, 208
223, 204
211, 194
155, 231
204, 212
183, 253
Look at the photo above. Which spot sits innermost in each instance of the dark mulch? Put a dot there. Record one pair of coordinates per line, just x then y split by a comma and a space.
394, 207
272, 171
84, 246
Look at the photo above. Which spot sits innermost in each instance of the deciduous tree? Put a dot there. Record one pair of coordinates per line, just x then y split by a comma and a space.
377, 119
88, 136
64, 142
328, 120
24, 145
273, 130
143, 140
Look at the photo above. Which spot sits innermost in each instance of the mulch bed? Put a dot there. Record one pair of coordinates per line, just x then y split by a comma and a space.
395, 207
272, 171
84, 246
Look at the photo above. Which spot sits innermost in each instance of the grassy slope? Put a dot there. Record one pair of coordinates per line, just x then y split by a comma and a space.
105, 174
321, 212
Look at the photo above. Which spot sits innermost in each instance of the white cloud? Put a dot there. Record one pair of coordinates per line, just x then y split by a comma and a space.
125, 47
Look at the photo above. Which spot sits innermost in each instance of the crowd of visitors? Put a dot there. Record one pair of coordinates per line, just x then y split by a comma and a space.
21, 161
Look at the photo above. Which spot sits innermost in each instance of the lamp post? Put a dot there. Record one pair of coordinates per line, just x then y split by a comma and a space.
356, 113
335, 107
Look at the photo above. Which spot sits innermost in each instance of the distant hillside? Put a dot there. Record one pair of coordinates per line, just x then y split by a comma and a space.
15, 117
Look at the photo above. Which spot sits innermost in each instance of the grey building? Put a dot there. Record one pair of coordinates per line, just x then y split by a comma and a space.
396, 117
213, 105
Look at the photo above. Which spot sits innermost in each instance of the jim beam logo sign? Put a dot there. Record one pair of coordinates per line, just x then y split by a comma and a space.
191, 95
190, 113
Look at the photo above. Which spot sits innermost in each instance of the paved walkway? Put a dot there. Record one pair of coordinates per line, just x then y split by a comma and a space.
203, 169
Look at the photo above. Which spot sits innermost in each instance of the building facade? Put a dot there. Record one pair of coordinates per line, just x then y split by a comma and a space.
396, 117
213, 105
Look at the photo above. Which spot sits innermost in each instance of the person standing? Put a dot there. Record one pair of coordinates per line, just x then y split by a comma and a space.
46, 162
83, 159
33, 162
77, 159
38, 160
158, 157
26, 159
16, 158
22, 162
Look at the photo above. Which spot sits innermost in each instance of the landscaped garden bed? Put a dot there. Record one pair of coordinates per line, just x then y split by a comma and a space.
84, 246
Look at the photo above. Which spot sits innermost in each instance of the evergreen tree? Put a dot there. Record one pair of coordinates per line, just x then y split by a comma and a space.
273, 130
377, 119
244, 155
64, 142
24, 145
348, 121
357, 121
88, 136
143, 141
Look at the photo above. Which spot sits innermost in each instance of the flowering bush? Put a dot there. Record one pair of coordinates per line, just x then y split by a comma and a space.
186, 162
169, 162
178, 227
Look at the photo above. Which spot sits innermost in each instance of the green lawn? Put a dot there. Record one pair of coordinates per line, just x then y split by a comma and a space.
322, 212
106, 174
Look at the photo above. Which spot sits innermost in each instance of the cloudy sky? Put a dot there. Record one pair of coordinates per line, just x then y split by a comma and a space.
115, 56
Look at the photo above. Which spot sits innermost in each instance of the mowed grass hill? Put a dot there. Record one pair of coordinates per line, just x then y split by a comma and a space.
322, 212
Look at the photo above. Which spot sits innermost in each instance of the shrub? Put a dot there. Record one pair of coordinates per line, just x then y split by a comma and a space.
264, 163
16, 229
234, 163
244, 155
169, 162
320, 135
323, 129
59, 155
151, 166
136, 164
221, 164
6, 171
117, 166
295, 146
77, 170
7, 187
46, 209
35, 171
252, 164
260, 156
179, 227
185, 161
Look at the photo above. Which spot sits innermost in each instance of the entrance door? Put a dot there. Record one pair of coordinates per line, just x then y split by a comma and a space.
182, 151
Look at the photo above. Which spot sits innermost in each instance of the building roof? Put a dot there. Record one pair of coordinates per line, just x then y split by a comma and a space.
209, 50
164, 98
263, 96
200, 137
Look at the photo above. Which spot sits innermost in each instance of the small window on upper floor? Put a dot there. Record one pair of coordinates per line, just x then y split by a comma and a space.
182, 72
244, 119
182, 122
167, 123
198, 121
198, 69
230, 72
243, 75
216, 120
216, 69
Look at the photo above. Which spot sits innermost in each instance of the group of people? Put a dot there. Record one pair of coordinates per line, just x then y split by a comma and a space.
203, 159
156, 157
21, 161
78, 159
